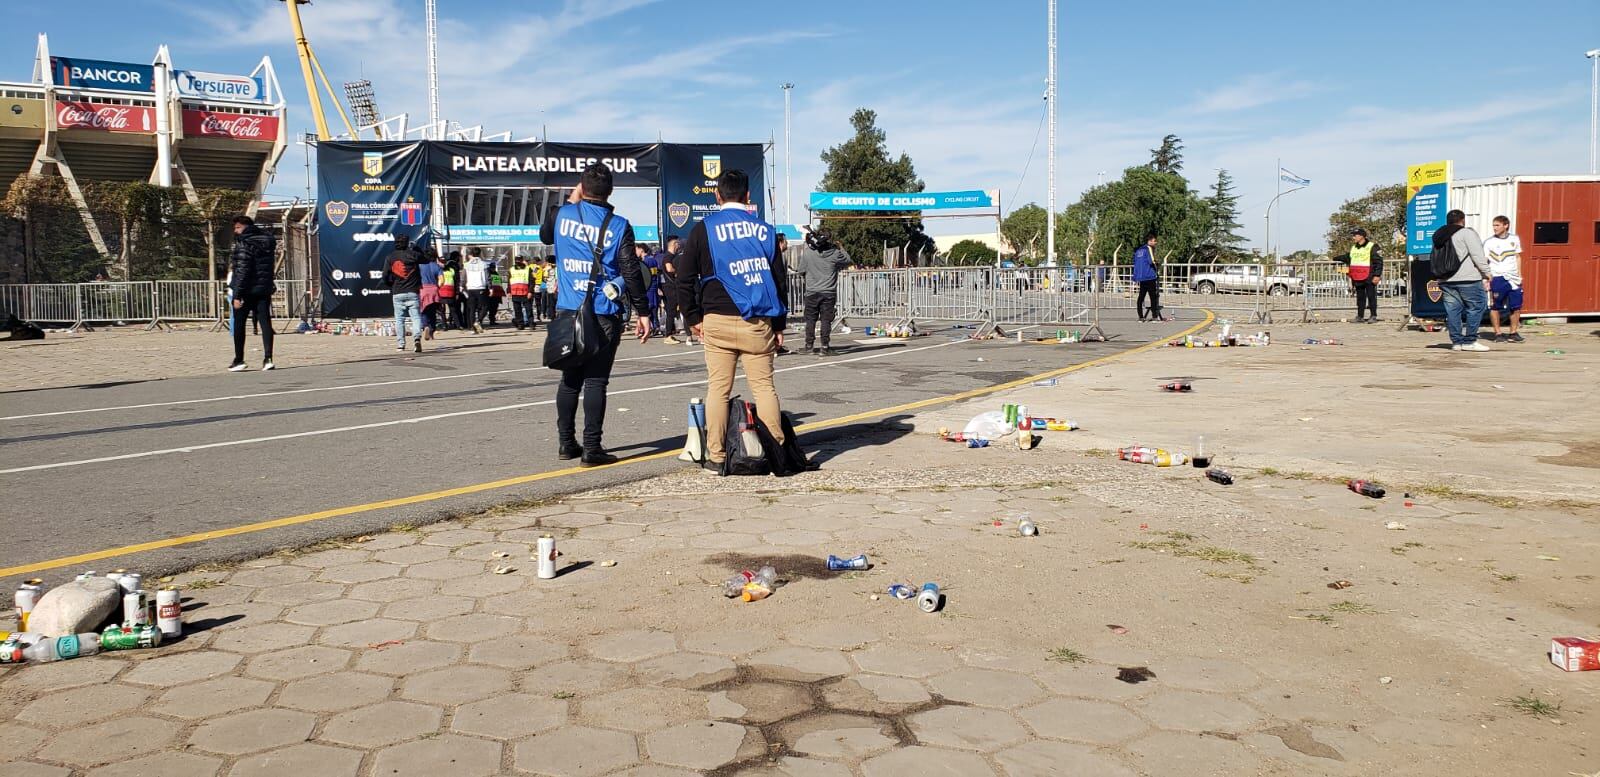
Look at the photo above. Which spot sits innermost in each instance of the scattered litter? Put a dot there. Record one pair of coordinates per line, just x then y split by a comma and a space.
750, 586
1323, 341
980, 358
1499, 387
1340, 585
1549, 558
874, 597
1575, 654
902, 591
1139, 454
546, 557
504, 570
1556, 352
1047, 382
1219, 476
1366, 488
930, 600
502, 554
1026, 528
1178, 386
1115, 629
1308, 420
1133, 675
382, 645
623, 409
364, 538
1385, 680
836, 564
608, 563
1395, 526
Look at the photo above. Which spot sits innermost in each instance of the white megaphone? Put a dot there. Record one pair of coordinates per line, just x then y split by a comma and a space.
694, 447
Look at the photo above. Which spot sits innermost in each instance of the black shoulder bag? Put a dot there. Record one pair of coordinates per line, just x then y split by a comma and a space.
574, 337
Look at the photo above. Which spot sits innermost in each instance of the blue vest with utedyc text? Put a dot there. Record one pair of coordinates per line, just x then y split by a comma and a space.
577, 232
741, 252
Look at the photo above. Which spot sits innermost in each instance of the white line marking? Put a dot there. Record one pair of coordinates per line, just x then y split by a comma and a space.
440, 416
287, 392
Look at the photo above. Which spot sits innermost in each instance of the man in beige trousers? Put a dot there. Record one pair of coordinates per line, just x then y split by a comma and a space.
732, 286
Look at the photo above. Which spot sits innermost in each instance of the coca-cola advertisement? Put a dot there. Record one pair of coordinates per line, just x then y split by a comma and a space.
238, 126
80, 114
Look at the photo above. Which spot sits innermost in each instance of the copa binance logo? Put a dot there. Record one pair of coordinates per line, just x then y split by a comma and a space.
337, 211
679, 213
711, 165
372, 163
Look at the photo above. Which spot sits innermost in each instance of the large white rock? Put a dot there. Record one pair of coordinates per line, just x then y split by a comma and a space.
76, 607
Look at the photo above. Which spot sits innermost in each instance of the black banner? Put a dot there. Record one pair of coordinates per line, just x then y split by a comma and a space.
369, 192
554, 165
689, 187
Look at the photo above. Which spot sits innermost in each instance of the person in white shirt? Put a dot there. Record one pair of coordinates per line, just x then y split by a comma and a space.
477, 286
1505, 279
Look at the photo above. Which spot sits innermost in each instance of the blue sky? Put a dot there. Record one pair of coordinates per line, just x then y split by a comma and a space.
1346, 94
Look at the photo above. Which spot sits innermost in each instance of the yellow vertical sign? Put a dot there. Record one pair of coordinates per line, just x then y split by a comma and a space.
1427, 202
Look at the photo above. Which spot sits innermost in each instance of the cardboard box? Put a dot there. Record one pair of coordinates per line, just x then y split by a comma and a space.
1575, 654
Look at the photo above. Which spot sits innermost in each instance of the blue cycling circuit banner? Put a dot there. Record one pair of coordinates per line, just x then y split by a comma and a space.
900, 201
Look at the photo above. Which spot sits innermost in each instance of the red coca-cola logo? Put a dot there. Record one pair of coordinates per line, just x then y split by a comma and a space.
252, 127
106, 117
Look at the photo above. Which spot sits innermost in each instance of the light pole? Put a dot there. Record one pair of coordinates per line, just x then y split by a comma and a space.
1050, 151
431, 19
788, 193
1594, 108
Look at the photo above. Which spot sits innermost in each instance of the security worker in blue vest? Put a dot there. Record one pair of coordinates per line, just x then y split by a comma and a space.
575, 230
732, 285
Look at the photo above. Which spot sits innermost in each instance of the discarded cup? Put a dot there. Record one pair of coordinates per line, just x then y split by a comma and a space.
836, 564
929, 599
1366, 488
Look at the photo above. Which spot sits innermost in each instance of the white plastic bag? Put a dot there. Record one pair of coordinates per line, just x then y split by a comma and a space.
990, 426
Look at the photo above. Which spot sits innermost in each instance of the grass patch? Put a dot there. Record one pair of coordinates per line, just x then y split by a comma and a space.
1237, 577
1066, 655
1401, 550
407, 528
1533, 706
1351, 607
1180, 536
1319, 617
1506, 577
1269, 470
562, 695
1218, 555
201, 584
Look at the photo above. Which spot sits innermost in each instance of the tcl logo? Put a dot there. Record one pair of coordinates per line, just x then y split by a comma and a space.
111, 118
340, 292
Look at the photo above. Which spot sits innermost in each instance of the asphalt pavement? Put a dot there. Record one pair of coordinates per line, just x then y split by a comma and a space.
91, 468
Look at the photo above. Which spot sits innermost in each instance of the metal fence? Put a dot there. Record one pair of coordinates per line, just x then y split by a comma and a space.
988, 295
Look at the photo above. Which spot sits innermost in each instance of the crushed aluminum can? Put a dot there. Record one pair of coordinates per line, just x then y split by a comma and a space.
836, 564
902, 591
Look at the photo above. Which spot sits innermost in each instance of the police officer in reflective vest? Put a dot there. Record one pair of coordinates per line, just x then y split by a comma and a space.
1365, 266
732, 285
575, 231
522, 294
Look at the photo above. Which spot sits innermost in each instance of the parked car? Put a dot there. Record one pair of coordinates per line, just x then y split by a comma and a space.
1389, 287
1244, 279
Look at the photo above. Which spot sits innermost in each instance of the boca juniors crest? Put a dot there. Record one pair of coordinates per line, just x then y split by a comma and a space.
678, 212
337, 211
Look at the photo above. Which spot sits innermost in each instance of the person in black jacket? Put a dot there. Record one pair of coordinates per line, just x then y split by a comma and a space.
252, 283
404, 279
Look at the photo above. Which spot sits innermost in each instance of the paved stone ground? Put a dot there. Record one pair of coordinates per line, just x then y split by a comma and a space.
403, 653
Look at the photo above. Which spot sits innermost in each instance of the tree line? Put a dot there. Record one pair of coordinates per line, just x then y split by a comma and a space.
1107, 222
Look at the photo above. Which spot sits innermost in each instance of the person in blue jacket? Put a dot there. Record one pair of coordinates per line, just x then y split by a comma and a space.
1144, 274
576, 231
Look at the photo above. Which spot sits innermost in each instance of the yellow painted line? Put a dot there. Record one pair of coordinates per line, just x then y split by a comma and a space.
322, 515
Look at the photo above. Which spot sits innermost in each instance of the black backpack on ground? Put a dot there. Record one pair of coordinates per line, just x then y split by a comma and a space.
773, 459
1444, 261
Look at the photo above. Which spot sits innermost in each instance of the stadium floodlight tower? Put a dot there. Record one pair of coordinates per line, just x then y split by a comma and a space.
432, 20
364, 104
1050, 151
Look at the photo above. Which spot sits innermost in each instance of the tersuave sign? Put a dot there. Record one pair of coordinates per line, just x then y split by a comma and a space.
238, 126
109, 118
217, 86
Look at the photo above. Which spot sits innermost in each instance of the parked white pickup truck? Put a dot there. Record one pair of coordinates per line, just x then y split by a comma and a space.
1244, 279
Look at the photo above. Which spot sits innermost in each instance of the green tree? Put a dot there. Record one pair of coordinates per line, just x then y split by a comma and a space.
862, 164
1222, 240
1381, 212
1025, 229
55, 246
1118, 214
972, 252
1169, 157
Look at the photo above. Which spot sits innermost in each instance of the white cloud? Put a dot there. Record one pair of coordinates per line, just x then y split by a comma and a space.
1253, 91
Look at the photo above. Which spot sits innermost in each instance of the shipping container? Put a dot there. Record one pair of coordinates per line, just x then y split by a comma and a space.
1558, 219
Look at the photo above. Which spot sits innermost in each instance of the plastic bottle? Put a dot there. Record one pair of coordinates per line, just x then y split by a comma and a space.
1366, 488
1219, 476
732, 587
1178, 385
1025, 434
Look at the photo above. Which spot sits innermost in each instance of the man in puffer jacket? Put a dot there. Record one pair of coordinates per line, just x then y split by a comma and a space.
254, 253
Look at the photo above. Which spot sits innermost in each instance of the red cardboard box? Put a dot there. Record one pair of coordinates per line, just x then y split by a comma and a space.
1575, 654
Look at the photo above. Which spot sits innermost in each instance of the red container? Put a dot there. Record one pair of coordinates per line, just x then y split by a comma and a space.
1575, 654
1558, 219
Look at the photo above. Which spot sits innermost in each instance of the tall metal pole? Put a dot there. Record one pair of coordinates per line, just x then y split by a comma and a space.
1594, 109
788, 156
304, 50
1050, 151
433, 70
